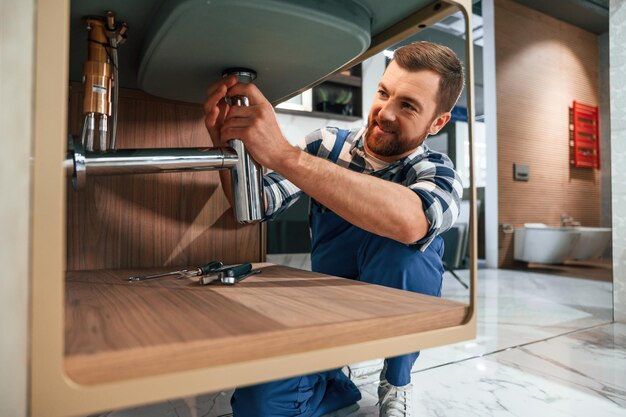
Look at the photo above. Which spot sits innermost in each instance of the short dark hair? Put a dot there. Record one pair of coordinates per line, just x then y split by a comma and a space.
440, 59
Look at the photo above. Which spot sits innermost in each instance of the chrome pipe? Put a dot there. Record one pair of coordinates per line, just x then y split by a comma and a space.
91, 127
103, 127
116, 93
79, 163
83, 133
145, 161
247, 177
247, 183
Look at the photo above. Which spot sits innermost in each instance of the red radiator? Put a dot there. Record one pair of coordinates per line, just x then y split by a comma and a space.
584, 136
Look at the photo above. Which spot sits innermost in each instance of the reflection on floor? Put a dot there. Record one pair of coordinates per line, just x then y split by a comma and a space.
545, 347
600, 269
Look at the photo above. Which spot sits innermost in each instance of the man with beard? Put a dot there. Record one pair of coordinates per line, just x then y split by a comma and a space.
380, 198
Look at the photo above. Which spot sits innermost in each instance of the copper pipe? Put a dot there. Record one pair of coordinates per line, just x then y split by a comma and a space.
97, 70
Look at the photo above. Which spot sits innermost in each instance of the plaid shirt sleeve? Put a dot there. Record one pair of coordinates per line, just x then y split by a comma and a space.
439, 187
280, 193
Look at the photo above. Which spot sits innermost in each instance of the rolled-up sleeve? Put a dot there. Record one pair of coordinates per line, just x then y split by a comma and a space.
280, 194
439, 187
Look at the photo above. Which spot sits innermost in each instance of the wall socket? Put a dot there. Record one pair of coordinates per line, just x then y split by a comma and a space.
521, 172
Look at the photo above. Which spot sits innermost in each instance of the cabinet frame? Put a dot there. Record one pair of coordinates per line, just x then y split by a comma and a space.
52, 393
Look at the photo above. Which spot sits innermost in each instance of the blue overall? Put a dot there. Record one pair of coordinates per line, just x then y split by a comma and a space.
342, 249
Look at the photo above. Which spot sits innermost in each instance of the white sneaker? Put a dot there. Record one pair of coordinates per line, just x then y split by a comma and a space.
343, 412
383, 385
383, 388
363, 373
396, 401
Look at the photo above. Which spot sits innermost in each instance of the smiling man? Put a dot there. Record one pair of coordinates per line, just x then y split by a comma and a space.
380, 199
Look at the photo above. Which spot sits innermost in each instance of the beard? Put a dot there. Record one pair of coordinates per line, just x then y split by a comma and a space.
390, 143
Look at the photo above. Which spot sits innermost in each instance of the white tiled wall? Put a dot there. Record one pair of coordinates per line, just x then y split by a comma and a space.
617, 40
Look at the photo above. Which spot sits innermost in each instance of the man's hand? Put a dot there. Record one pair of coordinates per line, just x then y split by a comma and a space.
257, 127
216, 109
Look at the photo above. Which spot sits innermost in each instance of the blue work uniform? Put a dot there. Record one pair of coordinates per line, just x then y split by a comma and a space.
341, 249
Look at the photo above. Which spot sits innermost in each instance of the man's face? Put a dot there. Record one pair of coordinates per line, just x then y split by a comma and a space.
403, 112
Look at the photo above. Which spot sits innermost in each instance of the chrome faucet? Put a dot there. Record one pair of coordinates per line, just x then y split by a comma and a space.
568, 221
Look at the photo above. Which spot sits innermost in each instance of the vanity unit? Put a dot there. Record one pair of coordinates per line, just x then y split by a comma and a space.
101, 342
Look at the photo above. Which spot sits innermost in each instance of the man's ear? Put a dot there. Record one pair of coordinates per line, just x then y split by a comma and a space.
439, 123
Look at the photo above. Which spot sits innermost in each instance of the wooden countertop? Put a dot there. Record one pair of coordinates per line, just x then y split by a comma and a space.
116, 330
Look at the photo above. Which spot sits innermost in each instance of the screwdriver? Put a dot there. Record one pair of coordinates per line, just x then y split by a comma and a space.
229, 274
183, 273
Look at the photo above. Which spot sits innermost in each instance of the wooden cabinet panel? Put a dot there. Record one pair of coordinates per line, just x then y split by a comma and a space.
126, 221
115, 329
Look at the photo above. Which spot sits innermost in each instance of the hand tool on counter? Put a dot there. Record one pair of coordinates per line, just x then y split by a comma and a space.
230, 275
184, 273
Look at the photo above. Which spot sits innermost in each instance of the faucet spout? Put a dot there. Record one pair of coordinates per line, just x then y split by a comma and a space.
568, 221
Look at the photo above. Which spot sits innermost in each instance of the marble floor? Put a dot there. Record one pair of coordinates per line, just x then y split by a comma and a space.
546, 346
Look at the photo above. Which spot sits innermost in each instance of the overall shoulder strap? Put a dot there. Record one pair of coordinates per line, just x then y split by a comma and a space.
342, 135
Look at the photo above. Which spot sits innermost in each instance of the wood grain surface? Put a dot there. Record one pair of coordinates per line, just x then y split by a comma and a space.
115, 329
127, 221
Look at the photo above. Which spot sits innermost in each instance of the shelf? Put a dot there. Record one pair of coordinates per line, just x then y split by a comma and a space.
334, 83
320, 115
118, 330
350, 80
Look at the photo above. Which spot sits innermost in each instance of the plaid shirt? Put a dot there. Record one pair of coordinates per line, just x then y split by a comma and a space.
428, 173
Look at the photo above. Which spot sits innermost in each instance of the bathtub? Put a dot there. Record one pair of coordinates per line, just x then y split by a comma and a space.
553, 245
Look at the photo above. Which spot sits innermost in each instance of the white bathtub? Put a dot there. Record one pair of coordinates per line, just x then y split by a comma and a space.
553, 245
